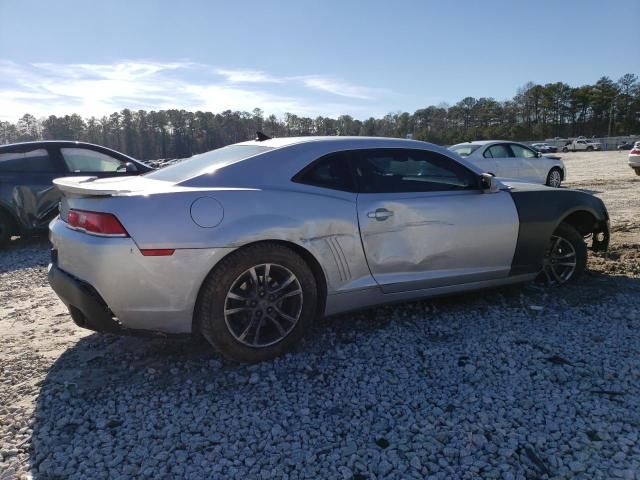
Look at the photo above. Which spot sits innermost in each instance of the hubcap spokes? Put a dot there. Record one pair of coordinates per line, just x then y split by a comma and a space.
263, 305
555, 180
560, 261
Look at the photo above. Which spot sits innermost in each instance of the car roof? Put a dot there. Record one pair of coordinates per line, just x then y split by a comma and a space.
64, 143
350, 140
283, 158
484, 142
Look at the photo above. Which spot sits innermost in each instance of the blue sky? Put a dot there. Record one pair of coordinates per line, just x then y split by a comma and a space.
325, 57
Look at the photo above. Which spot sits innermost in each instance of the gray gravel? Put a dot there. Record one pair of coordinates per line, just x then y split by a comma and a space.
513, 383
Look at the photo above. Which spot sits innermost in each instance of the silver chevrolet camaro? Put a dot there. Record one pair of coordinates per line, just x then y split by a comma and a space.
249, 243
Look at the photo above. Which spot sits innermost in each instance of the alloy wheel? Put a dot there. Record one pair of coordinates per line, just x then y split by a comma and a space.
263, 305
555, 179
559, 262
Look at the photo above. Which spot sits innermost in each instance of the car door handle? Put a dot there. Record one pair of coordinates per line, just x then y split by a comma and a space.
380, 214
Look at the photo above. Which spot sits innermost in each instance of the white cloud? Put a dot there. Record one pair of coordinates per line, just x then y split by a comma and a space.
44, 89
248, 76
338, 87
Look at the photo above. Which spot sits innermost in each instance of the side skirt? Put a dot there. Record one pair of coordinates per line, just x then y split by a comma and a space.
367, 297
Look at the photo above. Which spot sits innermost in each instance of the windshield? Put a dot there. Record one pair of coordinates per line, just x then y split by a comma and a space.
207, 162
464, 150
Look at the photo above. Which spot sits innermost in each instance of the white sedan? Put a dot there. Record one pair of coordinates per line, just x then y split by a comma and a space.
513, 160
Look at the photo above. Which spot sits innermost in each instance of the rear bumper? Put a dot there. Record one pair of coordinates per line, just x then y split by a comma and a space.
87, 308
155, 294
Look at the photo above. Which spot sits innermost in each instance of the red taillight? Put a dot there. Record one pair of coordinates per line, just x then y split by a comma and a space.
635, 151
157, 252
96, 223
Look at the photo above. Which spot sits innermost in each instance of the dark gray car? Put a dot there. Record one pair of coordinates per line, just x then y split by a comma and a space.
28, 198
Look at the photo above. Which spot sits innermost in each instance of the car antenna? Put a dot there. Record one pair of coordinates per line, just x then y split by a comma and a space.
261, 137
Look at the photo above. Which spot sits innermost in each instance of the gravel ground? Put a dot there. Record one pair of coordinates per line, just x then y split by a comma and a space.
519, 382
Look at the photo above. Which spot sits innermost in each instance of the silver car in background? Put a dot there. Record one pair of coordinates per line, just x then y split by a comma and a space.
249, 243
513, 160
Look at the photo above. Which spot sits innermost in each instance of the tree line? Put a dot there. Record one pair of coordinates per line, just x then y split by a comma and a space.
535, 112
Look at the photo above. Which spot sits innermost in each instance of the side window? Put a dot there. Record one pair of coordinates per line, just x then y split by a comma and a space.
85, 160
522, 152
34, 161
391, 171
499, 151
331, 171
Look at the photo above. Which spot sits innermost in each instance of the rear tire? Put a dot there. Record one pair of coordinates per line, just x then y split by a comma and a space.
554, 178
257, 303
6, 229
637, 170
565, 258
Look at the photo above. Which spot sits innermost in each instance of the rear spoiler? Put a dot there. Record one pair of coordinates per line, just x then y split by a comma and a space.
83, 186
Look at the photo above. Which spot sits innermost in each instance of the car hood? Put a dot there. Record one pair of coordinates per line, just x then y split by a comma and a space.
520, 186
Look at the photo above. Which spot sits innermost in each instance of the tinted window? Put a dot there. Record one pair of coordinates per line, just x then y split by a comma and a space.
520, 151
464, 150
388, 171
34, 161
498, 151
85, 160
206, 163
331, 172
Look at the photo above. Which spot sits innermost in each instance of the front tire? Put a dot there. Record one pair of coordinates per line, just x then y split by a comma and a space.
589, 149
637, 170
565, 259
257, 303
565, 149
554, 178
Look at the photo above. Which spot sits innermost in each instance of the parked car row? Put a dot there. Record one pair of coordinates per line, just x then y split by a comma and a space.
248, 243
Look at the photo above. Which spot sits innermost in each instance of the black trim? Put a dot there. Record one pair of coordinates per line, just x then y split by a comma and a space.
540, 212
88, 309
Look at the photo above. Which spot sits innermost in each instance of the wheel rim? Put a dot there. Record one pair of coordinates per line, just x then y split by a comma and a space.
554, 178
263, 305
560, 261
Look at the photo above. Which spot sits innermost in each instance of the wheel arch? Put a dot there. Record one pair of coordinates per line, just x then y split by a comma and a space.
307, 256
583, 220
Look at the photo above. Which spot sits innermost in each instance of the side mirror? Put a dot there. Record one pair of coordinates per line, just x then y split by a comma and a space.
130, 167
489, 184
538, 154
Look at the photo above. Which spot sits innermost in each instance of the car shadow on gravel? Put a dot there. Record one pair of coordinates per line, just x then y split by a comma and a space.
137, 406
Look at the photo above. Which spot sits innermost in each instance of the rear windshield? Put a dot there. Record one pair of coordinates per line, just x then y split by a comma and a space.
206, 162
464, 150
